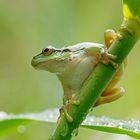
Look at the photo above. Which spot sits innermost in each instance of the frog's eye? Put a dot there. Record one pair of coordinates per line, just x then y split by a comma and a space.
47, 51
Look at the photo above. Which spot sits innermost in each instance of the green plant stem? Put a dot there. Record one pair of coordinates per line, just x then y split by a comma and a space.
96, 83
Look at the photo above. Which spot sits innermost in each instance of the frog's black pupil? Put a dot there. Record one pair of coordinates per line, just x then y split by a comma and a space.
45, 50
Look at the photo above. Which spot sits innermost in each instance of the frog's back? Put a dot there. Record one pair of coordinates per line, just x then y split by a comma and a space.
82, 46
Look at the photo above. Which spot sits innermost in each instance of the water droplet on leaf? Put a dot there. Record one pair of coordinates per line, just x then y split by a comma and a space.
21, 129
74, 132
64, 131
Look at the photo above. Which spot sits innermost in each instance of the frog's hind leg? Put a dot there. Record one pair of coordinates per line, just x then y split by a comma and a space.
63, 109
112, 93
68, 101
110, 96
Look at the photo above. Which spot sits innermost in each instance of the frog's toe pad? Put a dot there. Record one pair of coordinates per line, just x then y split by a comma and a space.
74, 102
63, 112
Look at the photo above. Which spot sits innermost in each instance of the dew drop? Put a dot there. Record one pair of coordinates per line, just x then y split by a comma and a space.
90, 110
64, 131
3, 115
21, 129
74, 132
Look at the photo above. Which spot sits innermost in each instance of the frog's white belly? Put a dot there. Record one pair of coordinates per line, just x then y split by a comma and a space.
77, 70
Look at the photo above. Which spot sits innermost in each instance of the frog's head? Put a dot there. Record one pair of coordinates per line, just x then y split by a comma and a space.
51, 59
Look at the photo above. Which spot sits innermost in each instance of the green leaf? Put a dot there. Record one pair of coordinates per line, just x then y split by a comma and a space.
130, 127
10, 122
131, 9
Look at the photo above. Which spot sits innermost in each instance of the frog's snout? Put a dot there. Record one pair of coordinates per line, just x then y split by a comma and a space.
33, 61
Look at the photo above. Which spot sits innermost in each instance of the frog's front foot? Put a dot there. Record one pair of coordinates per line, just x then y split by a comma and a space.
108, 58
63, 109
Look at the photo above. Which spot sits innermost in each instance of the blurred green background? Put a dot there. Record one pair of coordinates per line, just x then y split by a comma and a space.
28, 26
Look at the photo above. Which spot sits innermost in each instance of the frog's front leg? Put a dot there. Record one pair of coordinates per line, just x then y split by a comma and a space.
102, 55
107, 58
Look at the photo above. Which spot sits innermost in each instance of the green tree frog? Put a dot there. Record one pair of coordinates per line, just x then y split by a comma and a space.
74, 64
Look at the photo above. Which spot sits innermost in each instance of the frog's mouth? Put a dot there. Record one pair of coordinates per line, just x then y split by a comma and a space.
37, 65
52, 65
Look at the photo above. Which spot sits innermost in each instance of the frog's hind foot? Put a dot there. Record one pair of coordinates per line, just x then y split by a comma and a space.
63, 110
110, 36
108, 58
